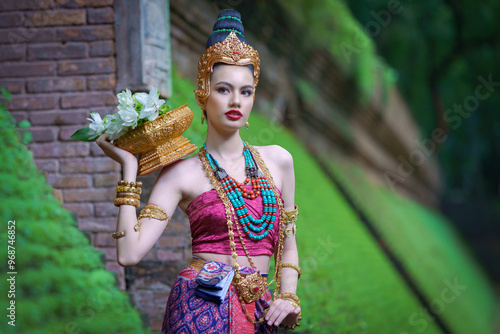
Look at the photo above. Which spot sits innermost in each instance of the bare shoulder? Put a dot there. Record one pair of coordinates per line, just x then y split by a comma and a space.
179, 170
276, 154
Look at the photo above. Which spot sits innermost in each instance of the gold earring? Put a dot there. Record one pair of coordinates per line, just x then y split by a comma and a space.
203, 118
246, 126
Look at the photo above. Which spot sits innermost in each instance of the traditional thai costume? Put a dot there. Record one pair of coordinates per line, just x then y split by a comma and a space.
232, 218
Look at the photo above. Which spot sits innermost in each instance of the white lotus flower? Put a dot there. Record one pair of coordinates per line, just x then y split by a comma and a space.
125, 98
114, 126
128, 115
151, 103
96, 125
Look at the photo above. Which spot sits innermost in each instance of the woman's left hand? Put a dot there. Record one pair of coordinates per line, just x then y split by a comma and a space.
282, 312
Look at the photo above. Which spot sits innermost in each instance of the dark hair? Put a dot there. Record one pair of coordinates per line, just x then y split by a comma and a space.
228, 20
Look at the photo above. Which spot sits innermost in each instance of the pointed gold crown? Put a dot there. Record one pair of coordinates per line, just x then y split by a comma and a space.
230, 51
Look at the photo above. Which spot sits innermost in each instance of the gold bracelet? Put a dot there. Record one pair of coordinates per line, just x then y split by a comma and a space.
292, 327
127, 201
152, 211
130, 183
289, 296
121, 189
295, 301
118, 235
129, 194
293, 266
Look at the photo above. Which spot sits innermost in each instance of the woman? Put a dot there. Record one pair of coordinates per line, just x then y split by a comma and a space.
239, 199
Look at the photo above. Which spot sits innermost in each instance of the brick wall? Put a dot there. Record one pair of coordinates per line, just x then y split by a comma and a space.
58, 61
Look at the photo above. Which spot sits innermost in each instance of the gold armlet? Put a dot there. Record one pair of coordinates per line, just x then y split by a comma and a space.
293, 266
118, 235
152, 211
290, 217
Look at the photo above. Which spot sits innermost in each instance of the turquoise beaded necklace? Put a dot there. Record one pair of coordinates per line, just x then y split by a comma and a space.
256, 229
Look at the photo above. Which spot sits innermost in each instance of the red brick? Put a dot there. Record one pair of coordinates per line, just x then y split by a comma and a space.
119, 272
65, 84
19, 115
89, 195
25, 4
70, 181
47, 165
27, 35
100, 15
107, 209
104, 239
57, 51
93, 224
89, 165
43, 134
109, 252
88, 33
106, 180
11, 20
80, 209
27, 69
171, 241
49, 18
83, 100
85, 3
59, 117
102, 48
86, 66
15, 86
60, 150
101, 82
32, 102
96, 151
168, 255
12, 52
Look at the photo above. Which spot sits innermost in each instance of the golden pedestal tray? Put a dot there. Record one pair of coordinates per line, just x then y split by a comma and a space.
159, 142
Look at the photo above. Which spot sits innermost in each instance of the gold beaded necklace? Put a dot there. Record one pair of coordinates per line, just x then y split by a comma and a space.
251, 287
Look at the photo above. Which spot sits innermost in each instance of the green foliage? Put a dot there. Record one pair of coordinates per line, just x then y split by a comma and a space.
330, 25
449, 45
84, 134
61, 283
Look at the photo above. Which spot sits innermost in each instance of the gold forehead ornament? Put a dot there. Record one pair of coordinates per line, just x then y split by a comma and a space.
230, 51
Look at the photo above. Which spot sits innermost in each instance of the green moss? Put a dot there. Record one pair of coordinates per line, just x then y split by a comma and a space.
61, 283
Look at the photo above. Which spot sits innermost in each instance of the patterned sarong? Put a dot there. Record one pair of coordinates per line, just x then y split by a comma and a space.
187, 313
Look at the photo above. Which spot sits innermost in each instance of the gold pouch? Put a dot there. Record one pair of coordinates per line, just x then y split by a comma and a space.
251, 287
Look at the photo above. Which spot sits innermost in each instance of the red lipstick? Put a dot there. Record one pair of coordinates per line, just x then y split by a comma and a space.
233, 114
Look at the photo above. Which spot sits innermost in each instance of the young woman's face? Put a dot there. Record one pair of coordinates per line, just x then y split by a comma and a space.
231, 96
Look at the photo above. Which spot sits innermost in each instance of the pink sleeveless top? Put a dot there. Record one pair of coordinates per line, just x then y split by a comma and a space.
207, 218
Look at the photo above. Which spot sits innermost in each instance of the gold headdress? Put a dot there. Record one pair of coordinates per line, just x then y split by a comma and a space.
230, 51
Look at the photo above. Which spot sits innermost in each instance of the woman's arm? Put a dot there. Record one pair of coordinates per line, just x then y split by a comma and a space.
136, 244
282, 310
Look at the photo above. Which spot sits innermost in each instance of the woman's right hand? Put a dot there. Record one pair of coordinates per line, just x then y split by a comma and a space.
121, 156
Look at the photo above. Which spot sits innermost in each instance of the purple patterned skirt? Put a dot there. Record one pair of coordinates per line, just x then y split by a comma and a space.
187, 313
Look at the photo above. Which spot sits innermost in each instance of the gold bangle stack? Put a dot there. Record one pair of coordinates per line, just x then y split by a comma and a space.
290, 217
152, 211
295, 301
293, 266
128, 193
